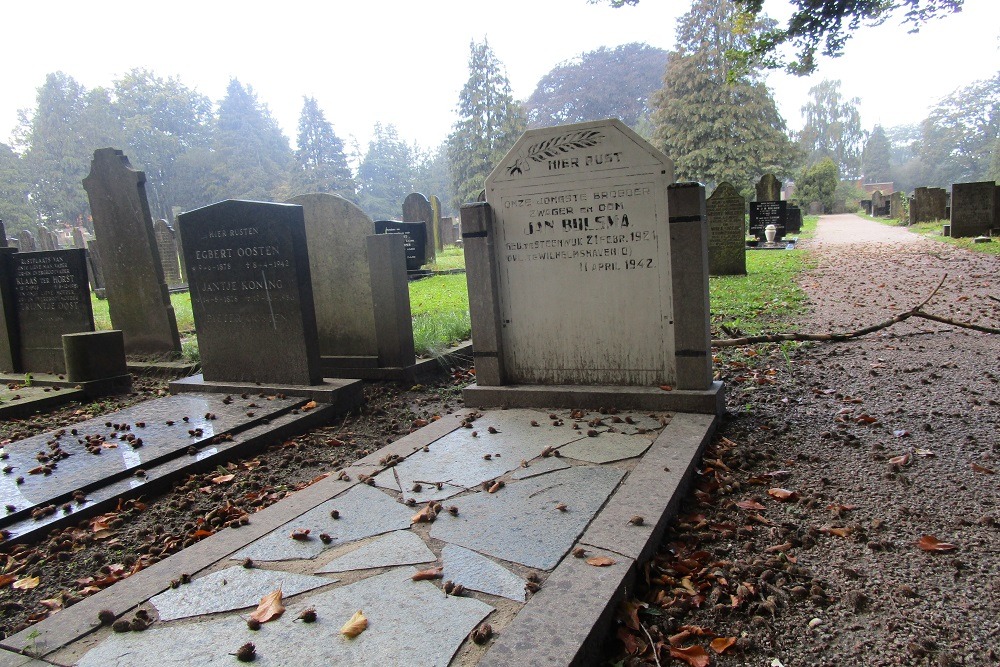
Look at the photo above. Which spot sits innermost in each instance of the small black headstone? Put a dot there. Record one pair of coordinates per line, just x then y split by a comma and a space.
793, 220
764, 213
251, 292
414, 239
52, 298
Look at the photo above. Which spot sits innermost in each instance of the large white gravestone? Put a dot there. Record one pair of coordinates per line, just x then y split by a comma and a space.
577, 274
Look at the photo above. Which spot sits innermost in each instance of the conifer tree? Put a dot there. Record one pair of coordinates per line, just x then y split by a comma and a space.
320, 161
875, 158
490, 122
386, 174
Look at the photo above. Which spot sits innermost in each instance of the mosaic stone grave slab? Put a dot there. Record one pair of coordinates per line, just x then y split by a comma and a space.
520, 523
363, 510
230, 589
118, 459
608, 447
397, 548
539, 467
409, 623
481, 574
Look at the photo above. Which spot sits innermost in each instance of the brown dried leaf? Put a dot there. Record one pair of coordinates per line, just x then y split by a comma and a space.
900, 460
986, 471
311, 405
355, 626
429, 573
27, 583
600, 561
783, 495
6, 579
425, 515
926, 542
695, 656
633, 644
721, 644
222, 479
750, 505
270, 607
839, 532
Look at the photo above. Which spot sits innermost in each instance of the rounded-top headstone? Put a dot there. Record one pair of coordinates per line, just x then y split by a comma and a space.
768, 188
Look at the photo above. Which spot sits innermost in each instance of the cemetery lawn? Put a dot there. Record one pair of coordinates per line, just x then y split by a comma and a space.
932, 230
181, 301
452, 257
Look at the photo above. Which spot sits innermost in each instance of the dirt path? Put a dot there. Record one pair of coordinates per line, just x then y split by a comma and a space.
880, 441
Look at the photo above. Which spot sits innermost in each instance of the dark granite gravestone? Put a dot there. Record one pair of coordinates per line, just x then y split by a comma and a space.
726, 231
414, 239
27, 241
973, 208
251, 292
929, 204
138, 300
416, 208
764, 213
793, 220
880, 205
10, 347
3, 235
52, 298
866, 206
166, 243
768, 188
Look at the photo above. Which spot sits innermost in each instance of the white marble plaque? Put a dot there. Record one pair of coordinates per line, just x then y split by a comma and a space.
583, 250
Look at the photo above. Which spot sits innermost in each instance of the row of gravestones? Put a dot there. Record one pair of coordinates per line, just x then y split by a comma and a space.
974, 209
726, 210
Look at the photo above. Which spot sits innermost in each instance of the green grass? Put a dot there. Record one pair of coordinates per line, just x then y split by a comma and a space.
451, 257
440, 309
932, 230
181, 302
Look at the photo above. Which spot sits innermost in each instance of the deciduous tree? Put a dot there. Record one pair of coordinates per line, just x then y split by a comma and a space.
818, 182
832, 128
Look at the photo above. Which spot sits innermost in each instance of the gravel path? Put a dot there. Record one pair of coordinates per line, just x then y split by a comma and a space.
879, 442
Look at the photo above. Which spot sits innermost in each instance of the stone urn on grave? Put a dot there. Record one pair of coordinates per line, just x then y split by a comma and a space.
770, 232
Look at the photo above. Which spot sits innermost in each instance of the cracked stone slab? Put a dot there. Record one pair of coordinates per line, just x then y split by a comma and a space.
481, 574
628, 423
364, 512
540, 466
401, 547
457, 460
409, 623
607, 447
520, 523
230, 589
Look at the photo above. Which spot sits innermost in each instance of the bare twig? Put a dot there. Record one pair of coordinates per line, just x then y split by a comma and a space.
652, 644
917, 311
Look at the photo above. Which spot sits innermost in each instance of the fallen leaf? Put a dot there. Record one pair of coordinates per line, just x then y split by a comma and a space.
901, 433
783, 495
26, 583
629, 611
355, 626
300, 534
633, 645
750, 505
721, 644
600, 561
7, 579
311, 405
924, 452
926, 542
222, 479
900, 460
55, 604
839, 532
866, 419
429, 573
426, 515
986, 471
270, 607
695, 656
666, 387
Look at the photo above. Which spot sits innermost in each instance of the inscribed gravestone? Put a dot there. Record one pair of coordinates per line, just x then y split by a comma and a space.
44, 238
768, 188
129, 260
436, 221
447, 231
584, 261
764, 213
726, 231
52, 298
336, 231
166, 243
27, 241
929, 204
251, 292
973, 208
414, 239
793, 219
896, 205
416, 208
9, 345
3, 235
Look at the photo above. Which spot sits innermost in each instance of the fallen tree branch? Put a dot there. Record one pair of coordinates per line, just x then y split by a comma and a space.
916, 311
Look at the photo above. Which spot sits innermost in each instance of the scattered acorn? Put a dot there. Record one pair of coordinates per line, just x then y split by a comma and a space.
636, 520
253, 624
308, 615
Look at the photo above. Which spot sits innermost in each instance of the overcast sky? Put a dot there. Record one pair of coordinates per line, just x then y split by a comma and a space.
404, 62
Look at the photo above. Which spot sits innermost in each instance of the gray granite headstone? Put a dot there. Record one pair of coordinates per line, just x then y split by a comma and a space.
973, 208
726, 231
251, 292
929, 204
27, 241
45, 238
896, 205
880, 205
416, 208
167, 245
338, 264
53, 299
138, 300
447, 231
768, 188
436, 220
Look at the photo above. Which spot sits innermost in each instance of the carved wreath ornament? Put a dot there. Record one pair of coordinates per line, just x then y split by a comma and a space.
550, 148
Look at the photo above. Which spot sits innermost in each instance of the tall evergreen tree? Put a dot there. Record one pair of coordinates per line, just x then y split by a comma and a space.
161, 120
832, 128
876, 157
433, 177
386, 174
320, 162
717, 127
490, 122
15, 208
253, 158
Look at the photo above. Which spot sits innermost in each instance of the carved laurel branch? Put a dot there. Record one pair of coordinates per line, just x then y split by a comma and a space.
551, 148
